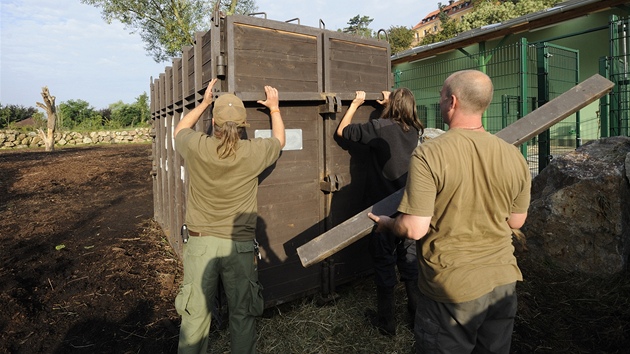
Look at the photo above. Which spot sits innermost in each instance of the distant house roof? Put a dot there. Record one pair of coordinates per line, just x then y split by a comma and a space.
564, 11
450, 9
28, 122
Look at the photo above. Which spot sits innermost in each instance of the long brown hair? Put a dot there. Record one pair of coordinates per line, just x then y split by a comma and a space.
402, 109
229, 135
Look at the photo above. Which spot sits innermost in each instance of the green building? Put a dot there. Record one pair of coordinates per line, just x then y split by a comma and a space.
531, 60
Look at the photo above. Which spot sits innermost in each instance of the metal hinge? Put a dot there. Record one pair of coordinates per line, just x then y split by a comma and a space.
221, 65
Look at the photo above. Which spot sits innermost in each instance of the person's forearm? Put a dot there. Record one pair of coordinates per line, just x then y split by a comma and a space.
410, 226
517, 220
277, 126
191, 118
403, 226
347, 119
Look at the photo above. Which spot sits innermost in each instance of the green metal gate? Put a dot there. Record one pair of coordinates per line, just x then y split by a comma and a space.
557, 73
615, 108
524, 75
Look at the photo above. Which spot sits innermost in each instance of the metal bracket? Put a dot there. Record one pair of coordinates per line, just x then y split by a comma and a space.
331, 183
332, 105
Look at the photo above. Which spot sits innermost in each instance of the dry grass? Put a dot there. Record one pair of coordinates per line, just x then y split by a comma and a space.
570, 312
559, 312
338, 326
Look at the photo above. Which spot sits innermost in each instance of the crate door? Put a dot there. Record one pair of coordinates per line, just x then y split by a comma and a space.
291, 207
351, 64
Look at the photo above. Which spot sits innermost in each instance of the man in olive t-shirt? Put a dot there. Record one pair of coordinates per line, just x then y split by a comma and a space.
465, 191
221, 213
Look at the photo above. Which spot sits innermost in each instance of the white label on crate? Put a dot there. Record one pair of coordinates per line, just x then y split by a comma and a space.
294, 137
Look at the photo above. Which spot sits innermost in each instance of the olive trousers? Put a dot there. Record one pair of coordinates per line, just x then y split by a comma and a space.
206, 260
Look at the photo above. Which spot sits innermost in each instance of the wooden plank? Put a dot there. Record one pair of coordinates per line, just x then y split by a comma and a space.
346, 233
556, 110
353, 229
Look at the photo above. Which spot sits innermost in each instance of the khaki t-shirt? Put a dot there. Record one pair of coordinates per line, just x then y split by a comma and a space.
469, 182
222, 193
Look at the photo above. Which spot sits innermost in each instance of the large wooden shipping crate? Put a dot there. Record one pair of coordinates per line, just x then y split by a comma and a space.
318, 181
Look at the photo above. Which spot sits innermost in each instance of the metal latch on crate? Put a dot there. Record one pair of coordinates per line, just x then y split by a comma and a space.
331, 183
332, 105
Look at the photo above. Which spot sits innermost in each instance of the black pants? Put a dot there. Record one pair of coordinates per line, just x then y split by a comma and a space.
389, 252
483, 325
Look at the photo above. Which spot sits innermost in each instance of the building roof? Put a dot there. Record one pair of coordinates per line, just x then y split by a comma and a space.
564, 11
28, 122
433, 16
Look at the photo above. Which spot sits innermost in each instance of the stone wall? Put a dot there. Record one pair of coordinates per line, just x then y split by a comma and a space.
14, 139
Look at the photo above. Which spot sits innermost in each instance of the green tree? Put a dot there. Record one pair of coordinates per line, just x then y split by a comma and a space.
400, 38
166, 26
39, 121
489, 12
78, 114
142, 105
359, 25
486, 12
106, 114
524, 7
239, 7
122, 115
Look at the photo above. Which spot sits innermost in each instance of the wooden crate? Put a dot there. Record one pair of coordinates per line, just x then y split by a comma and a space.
318, 181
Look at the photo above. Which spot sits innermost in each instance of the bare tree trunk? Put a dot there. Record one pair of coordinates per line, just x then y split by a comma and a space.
51, 112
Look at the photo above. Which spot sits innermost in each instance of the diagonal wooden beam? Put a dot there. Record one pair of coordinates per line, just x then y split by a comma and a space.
517, 133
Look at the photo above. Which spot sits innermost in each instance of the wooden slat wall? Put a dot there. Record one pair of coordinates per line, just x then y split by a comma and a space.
154, 149
178, 84
287, 61
357, 66
188, 65
206, 56
178, 193
168, 160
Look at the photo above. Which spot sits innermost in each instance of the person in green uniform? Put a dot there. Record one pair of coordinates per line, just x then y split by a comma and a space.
466, 190
221, 213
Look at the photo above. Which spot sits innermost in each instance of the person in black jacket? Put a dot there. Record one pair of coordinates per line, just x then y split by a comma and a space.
391, 139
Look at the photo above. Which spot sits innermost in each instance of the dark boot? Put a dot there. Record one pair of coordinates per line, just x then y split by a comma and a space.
383, 319
413, 294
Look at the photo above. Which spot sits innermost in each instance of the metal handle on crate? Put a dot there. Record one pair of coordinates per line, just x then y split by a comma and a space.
293, 19
378, 34
258, 13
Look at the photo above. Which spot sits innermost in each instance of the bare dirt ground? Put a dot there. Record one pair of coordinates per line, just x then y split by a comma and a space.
84, 269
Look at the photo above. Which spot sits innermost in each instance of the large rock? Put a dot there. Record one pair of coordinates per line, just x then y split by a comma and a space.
579, 217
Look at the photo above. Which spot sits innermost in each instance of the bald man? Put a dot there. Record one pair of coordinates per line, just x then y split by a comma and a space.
466, 190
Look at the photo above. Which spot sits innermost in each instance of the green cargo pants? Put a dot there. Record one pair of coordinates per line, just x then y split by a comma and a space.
206, 259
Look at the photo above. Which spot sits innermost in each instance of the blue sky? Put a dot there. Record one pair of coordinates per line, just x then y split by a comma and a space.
67, 46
